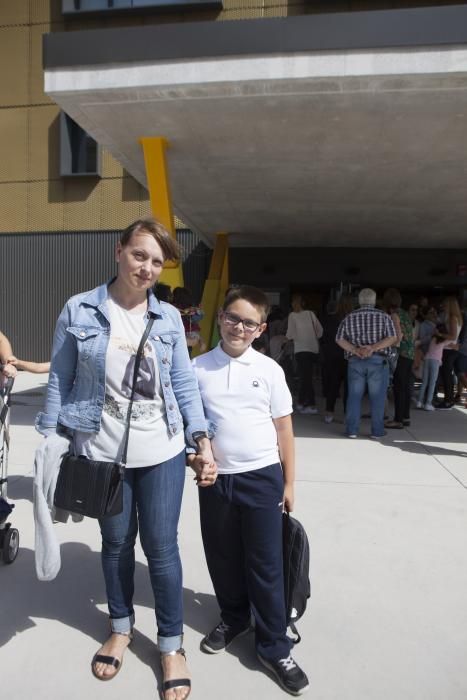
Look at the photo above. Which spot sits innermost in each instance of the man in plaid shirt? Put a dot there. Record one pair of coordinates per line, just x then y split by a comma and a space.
366, 336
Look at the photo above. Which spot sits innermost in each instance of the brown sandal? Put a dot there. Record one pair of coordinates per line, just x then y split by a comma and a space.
109, 660
175, 682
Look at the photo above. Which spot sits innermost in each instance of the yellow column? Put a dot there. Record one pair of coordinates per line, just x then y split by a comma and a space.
215, 287
155, 160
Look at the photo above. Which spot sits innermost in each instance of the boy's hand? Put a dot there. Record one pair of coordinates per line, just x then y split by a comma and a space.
205, 470
288, 498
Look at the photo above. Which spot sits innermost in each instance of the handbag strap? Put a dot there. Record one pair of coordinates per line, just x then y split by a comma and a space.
139, 353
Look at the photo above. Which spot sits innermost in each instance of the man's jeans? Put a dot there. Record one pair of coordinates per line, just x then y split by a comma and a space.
372, 372
152, 498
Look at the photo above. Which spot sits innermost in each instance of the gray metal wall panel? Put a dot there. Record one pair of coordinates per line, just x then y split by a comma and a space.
422, 26
196, 258
40, 271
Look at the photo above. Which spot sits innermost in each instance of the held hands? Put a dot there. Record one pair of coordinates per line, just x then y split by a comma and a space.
205, 470
203, 464
364, 352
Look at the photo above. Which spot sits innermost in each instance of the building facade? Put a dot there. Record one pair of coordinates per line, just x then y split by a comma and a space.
56, 228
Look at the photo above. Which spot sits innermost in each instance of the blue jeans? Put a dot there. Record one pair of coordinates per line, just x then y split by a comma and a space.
152, 498
430, 375
372, 372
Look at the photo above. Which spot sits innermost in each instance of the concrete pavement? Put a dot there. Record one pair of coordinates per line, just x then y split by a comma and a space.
388, 614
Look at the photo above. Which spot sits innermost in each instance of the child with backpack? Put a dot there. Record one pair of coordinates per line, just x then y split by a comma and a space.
246, 398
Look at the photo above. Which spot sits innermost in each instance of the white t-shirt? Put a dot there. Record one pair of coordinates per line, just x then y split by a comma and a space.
304, 329
241, 396
150, 441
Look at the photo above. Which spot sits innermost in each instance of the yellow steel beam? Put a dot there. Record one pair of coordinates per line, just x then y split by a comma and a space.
154, 149
215, 287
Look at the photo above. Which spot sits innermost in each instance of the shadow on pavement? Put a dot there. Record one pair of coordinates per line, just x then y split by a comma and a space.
74, 596
20, 488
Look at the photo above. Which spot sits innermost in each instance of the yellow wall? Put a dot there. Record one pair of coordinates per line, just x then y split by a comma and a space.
33, 196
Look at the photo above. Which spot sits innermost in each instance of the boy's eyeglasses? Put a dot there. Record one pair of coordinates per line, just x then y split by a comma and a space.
233, 320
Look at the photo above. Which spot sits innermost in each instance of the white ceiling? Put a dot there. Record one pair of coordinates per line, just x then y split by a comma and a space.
347, 149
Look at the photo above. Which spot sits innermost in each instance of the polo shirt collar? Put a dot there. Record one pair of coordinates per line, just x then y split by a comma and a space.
247, 358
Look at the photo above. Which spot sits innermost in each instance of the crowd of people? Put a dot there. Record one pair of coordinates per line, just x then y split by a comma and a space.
370, 349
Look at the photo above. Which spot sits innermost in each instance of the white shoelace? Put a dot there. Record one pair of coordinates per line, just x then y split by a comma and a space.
288, 663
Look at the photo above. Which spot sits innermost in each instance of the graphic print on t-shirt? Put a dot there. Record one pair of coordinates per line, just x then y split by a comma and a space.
146, 380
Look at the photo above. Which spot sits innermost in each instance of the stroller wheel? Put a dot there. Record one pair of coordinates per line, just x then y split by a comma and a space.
10, 545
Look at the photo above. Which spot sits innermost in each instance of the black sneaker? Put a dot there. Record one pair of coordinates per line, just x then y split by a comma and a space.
289, 674
221, 637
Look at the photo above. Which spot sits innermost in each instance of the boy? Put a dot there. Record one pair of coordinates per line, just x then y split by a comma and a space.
246, 398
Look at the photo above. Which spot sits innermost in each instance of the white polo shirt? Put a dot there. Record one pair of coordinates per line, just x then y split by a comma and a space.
241, 396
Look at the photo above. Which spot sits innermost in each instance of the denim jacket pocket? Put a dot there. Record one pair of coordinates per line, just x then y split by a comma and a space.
166, 347
85, 339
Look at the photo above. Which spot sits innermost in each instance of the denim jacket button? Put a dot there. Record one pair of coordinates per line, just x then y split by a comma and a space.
164, 360
82, 334
171, 407
174, 429
166, 383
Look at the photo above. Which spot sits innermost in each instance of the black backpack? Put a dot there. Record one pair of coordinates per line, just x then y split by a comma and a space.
296, 571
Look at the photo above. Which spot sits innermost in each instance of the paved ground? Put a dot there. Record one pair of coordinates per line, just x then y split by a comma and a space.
388, 616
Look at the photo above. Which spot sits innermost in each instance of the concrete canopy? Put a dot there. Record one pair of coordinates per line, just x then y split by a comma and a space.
348, 147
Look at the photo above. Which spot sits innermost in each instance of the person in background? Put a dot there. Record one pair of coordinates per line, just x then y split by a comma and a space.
413, 315
366, 336
305, 330
334, 362
460, 365
191, 314
431, 365
7, 368
403, 372
453, 321
163, 292
427, 329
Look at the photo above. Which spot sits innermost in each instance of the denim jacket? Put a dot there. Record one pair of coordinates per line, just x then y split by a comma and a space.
76, 389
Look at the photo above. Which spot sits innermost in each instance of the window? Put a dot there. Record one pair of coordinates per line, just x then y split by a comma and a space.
75, 7
79, 153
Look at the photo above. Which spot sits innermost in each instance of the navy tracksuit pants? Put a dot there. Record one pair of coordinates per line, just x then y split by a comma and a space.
241, 525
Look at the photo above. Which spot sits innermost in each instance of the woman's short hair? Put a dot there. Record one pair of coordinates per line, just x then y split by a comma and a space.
367, 296
169, 246
392, 298
256, 297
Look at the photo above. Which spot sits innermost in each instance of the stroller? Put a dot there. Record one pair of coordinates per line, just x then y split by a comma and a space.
9, 536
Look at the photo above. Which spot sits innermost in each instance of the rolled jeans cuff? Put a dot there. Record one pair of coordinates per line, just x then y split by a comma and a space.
168, 644
122, 625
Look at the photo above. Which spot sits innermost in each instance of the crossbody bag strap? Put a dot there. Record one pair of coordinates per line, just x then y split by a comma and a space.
139, 353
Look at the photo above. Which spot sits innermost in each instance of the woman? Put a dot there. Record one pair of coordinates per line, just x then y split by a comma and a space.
95, 343
305, 330
453, 320
335, 365
406, 350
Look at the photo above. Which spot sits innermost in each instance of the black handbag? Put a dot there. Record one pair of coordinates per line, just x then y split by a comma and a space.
90, 487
